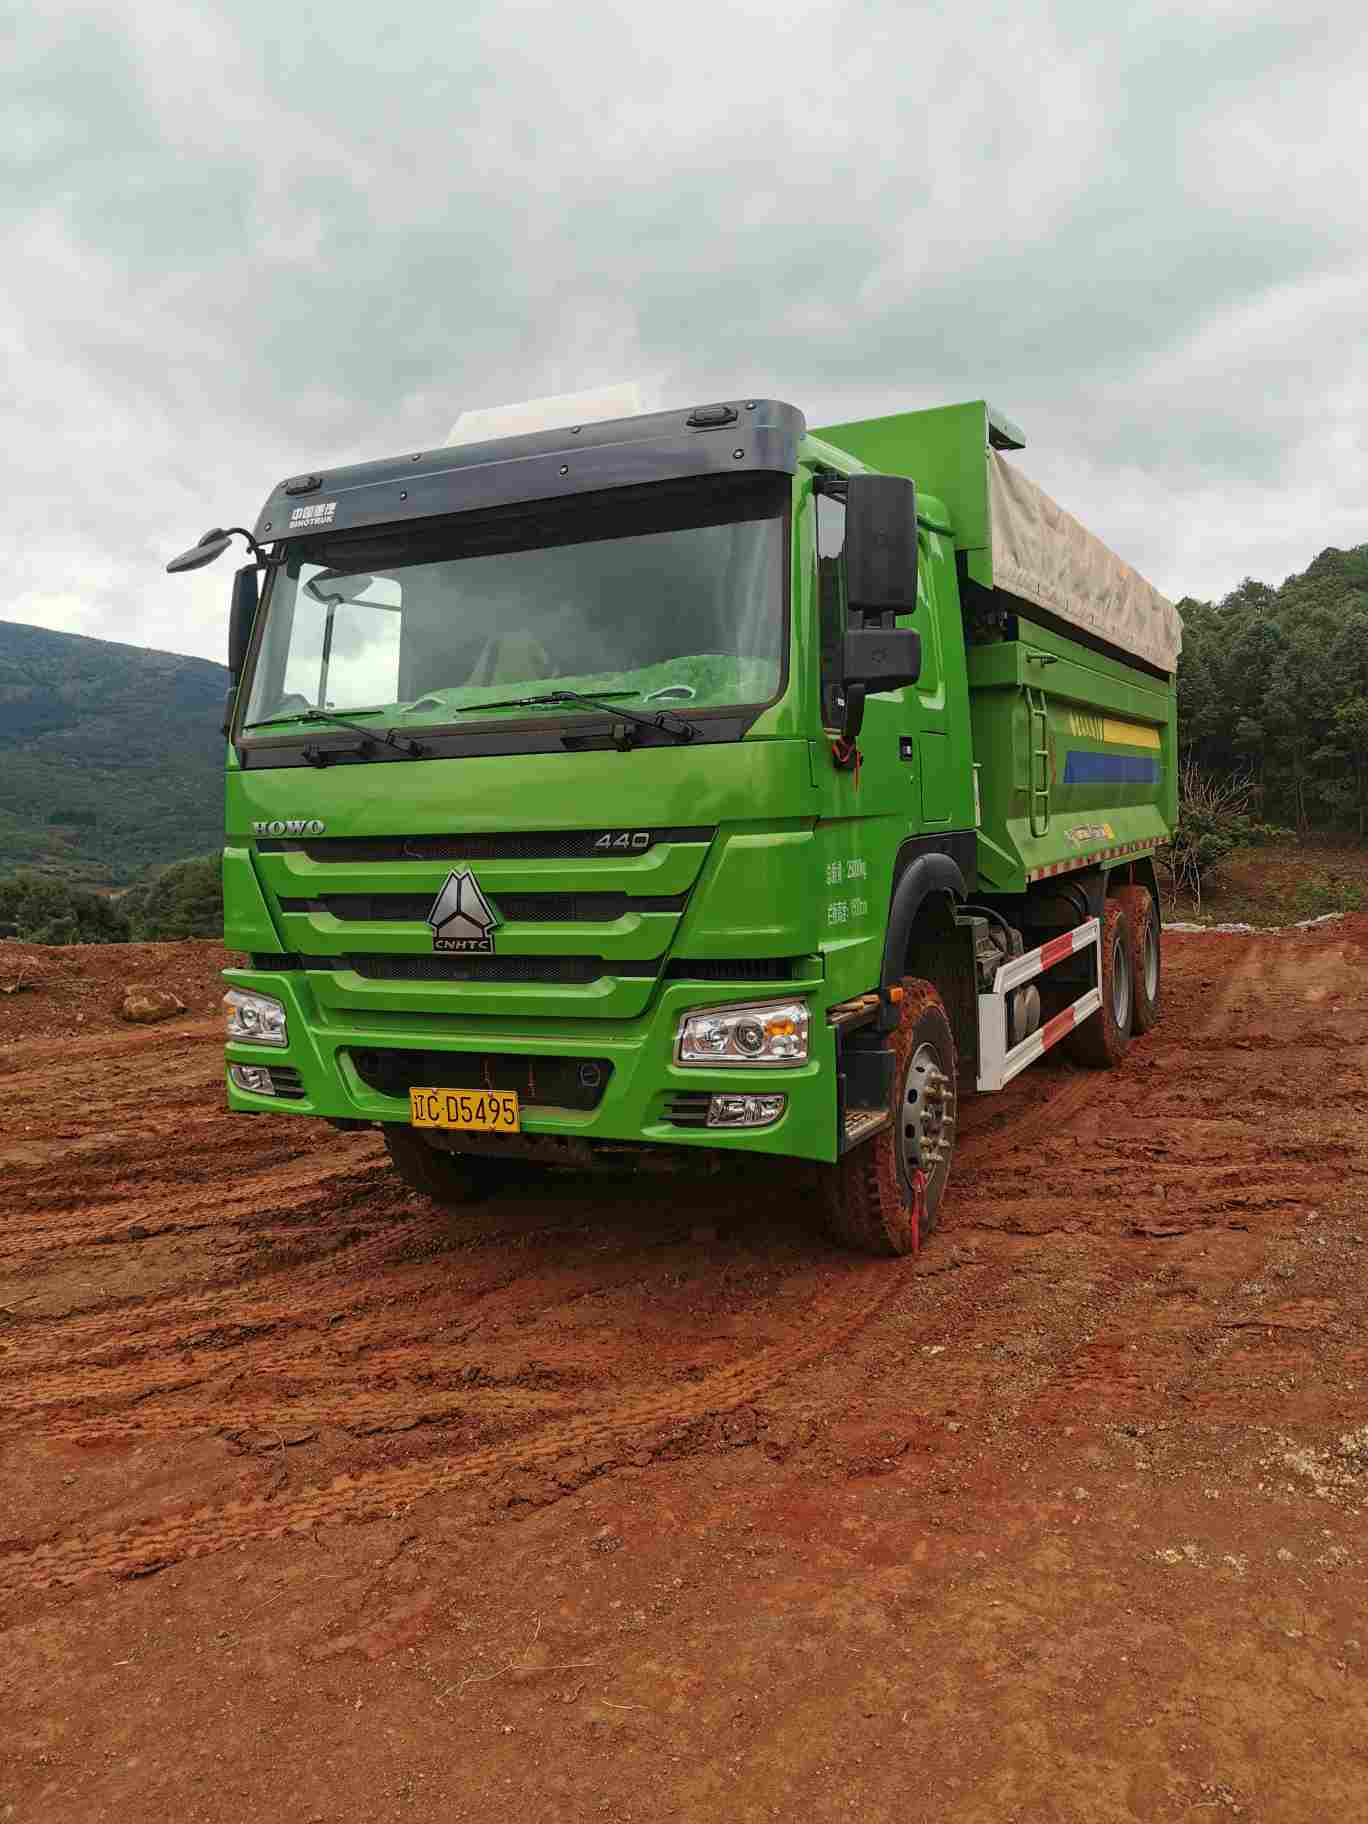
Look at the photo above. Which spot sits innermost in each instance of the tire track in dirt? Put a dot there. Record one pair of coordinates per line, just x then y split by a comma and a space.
995, 1138
558, 1335
176, 1203
335, 1259
161, 1390
1032, 1206
1245, 962
359, 1412
430, 1375
264, 1340
1136, 1354
131, 1550
293, 1299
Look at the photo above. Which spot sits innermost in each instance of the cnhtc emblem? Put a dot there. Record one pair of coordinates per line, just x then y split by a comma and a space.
462, 919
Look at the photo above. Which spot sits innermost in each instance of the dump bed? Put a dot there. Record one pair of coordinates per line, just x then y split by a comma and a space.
1071, 654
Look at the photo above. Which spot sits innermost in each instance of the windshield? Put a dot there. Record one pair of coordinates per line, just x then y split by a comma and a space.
671, 596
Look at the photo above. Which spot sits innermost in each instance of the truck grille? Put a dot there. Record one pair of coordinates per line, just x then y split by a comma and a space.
572, 969
519, 845
688, 1108
729, 969
576, 1083
377, 967
520, 908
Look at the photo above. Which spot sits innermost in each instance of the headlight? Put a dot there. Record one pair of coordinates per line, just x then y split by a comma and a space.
255, 1017
774, 1032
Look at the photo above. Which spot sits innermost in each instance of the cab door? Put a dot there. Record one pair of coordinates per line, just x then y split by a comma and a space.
906, 769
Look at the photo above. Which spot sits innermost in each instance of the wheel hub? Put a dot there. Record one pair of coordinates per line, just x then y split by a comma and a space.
929, 1113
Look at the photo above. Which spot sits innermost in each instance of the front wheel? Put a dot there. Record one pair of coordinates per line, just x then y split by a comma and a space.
448, 1178
885, 1196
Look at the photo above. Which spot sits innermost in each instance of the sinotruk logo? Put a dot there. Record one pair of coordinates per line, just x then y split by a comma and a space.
463, 921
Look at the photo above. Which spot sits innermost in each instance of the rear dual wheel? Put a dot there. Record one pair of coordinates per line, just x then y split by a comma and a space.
1101, 1041
885, 1196
1142, 916
1129, 980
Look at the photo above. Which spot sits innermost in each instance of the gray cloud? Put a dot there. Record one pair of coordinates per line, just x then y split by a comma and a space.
245, 241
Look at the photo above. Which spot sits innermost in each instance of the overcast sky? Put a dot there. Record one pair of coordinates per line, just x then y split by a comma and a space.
246, 241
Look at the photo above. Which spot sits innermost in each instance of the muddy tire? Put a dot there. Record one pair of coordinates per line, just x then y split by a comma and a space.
1101, 1041
452, 1179
1146, 957
869, 1199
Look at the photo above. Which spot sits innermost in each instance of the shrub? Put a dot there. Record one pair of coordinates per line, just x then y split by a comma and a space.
43, 911
1215, 821
184, 900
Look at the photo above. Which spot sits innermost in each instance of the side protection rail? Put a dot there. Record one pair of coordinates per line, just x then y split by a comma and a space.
999, 1063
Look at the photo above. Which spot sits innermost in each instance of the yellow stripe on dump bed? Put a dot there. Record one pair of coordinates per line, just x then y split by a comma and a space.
1108, 728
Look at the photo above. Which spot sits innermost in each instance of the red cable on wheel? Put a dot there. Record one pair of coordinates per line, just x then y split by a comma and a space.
918, 1206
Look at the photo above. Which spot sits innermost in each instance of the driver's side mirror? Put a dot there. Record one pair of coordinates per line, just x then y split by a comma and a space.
881, 658
880, 546
881, 584
240, 618
241, 615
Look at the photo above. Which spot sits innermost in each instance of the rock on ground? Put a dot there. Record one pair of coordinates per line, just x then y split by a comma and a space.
145, 1006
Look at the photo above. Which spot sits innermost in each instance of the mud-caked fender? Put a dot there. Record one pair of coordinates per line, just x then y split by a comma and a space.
924, 876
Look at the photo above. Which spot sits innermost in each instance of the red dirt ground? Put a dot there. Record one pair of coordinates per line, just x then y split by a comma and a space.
630, 1502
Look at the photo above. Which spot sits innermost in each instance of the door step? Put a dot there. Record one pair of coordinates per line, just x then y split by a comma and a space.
863, 1123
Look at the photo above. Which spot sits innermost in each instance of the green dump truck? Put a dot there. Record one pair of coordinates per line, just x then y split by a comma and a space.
620, 791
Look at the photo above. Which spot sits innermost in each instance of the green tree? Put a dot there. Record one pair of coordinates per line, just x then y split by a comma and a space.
45, 911
184, 900
1348, 745
1266, 685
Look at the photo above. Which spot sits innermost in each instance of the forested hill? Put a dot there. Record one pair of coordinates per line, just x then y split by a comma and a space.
1274, 682
110, 755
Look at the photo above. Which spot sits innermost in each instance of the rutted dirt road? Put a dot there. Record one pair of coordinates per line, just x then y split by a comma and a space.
635, 1501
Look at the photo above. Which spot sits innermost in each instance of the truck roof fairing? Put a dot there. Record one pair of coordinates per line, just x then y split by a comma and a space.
729, 437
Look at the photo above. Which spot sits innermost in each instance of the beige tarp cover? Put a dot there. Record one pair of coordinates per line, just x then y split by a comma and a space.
1042, 553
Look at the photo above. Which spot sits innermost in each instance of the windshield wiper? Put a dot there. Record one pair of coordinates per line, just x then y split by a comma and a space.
401, 743
667, 723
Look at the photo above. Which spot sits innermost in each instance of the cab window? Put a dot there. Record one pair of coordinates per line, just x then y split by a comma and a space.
927, 624
831, 598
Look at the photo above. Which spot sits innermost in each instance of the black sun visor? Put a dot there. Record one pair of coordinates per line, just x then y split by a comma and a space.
759, 435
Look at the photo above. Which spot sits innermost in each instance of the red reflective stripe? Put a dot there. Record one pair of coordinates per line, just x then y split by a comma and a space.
1056, 949
1083, 861
1055, 1029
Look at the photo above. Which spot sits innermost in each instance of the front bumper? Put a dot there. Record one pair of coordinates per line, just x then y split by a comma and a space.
636, 1102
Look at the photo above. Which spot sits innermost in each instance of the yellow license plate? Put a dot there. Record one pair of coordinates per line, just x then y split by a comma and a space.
486, 1111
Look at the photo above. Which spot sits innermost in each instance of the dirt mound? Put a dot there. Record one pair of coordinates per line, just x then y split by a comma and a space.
50, 991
